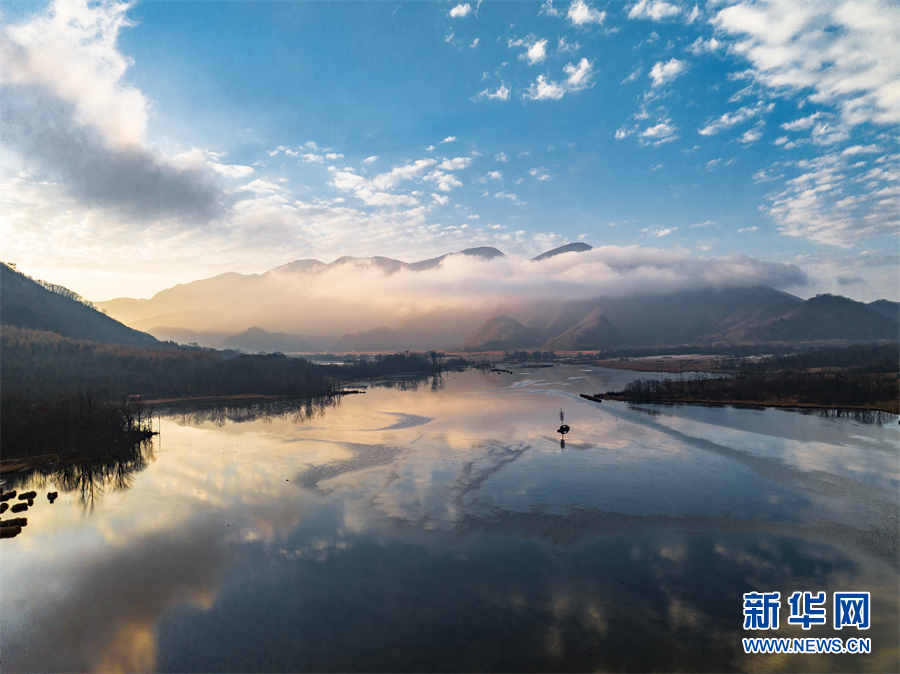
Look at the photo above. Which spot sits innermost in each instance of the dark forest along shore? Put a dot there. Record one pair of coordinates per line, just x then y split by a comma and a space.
439, 523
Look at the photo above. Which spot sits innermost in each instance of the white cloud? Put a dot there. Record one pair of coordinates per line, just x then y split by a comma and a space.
262, 187
729, 119
442, 200
495, 175
230, 170
578, 78
70, 117
455, 164
461, 10
509, 195
659, 232
542, 89
501, 157
538, 173
474, 43
845, 53
704, 224
744, 230
386, 181
655, 10
449, 139
831, 202
693, 16
701, 46
663, 73
658, 134
536, 53
312, 158
548, 9
861, 149
445, 181
501, 94
333, 156
564, 47
369, 160
633, 75
582, 14
71, 50
754, 134
535, 49
802, 123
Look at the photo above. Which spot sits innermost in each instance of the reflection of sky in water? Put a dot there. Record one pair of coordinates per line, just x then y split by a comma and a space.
447, 528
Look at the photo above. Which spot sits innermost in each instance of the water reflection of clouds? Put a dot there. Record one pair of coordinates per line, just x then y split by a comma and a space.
397, 544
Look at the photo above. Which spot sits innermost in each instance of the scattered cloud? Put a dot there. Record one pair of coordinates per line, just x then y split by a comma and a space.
501, 157
754, 134
663, 73
659, 232
455, 164
509, 195
655, 10
535, 49
449, 139
578, 78
744, 230
843, 53
461, 10
704, 224
564, 47
500, 94
538, 174
658, 134
832, 202
701, 46
729, 119
369, 160
582, 14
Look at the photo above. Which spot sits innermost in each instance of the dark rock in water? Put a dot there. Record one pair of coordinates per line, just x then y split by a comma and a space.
4, 507
20, 507
14, 522
10, 532
27, 496
8, 495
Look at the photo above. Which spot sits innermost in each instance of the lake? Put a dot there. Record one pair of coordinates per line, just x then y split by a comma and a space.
440, 525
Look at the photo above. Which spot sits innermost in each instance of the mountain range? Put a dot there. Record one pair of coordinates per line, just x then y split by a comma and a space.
364, 304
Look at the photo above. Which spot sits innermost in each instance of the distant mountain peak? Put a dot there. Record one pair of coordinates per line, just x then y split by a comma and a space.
577, 247
501, 333
486, 252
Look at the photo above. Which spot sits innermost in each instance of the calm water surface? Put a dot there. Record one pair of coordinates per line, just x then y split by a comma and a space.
442, 527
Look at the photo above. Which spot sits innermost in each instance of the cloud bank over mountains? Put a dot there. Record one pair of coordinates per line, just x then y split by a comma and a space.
616, 124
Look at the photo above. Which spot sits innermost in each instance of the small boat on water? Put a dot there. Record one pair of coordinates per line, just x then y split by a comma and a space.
563, 428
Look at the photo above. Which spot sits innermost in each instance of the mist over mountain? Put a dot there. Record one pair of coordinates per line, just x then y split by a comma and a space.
571, 297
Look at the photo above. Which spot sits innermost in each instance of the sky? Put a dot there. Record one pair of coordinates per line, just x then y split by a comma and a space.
154, 143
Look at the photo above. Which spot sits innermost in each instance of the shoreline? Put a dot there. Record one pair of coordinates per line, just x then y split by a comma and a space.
18, 464
889, 408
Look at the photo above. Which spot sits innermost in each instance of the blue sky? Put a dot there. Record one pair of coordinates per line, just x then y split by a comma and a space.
160, 142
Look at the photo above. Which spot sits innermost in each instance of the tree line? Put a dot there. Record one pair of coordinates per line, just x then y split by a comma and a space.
60, 392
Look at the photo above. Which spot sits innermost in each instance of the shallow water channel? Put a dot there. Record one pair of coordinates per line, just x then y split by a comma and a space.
439, 525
